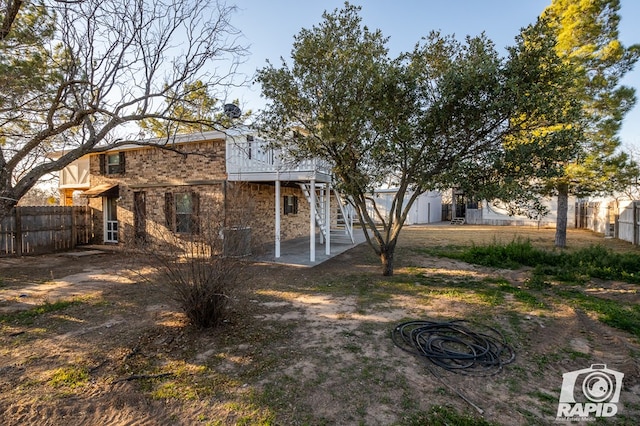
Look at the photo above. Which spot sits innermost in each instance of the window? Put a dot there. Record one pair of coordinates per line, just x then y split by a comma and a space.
290, 204
181, 212
112, 164
184, 213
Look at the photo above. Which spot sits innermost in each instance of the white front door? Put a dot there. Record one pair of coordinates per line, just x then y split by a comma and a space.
110, 220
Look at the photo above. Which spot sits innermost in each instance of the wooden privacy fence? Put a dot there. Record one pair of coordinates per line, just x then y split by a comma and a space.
629, 223
37, 230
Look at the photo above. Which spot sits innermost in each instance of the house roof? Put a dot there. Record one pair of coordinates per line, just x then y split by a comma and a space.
175, 139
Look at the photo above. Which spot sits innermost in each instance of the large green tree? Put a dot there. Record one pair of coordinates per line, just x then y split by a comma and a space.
93, 69
426, 120
587, 34
550, 131
26, 70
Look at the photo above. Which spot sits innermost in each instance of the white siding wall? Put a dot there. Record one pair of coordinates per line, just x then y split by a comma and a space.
426, 209
499, 215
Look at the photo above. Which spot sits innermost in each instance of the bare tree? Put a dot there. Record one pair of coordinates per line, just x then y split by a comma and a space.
109, 65
40, 195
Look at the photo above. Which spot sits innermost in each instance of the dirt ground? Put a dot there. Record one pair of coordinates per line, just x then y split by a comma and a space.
300, 345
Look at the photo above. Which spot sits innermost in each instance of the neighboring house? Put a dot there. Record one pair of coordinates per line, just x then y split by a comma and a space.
469, 210
489, 213
427, 208
136, 189
612, 217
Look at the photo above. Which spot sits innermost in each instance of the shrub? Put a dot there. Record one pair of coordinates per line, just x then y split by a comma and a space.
510, 256
201, 286
595, 261
201, 269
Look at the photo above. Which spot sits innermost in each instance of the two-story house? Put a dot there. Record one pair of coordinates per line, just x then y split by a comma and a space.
135, 189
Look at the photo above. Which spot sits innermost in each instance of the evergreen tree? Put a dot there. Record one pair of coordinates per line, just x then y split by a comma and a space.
587, 38
194, 110
424, 120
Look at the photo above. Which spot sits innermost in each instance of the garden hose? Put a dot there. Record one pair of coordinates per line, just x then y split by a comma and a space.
455, 346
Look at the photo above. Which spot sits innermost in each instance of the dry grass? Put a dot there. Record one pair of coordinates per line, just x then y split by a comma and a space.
479, 235
300, 346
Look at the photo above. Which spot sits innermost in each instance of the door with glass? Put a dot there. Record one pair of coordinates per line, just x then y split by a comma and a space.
110, 220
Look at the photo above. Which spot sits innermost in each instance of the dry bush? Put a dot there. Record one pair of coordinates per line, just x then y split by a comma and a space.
200, 269
201, 283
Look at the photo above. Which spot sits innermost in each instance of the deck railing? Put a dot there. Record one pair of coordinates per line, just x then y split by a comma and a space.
257, 157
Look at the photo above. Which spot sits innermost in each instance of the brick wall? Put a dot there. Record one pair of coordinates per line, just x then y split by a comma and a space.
203, 161
156, 172
262, 197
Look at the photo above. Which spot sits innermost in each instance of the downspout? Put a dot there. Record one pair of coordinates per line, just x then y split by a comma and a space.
224, 205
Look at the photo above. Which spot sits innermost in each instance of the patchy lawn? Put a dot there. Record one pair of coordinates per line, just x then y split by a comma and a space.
87, 341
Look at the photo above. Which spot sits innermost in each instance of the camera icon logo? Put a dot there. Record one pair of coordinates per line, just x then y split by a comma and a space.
592, 391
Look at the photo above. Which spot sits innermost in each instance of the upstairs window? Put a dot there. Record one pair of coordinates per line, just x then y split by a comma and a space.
112, 164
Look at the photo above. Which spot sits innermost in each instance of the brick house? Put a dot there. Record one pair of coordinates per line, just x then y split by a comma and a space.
136, 190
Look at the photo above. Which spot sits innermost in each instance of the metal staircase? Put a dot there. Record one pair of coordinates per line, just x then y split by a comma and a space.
340, 217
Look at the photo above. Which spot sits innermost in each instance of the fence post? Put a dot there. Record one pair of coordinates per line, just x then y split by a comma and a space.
88, 225
636, 225
18, 222
74, 224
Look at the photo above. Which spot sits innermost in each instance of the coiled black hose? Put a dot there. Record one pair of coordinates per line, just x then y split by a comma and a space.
454, 346
460, 346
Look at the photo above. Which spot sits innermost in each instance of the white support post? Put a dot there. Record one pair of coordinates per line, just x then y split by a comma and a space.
277, 230
327, 218
312, 221
320, 203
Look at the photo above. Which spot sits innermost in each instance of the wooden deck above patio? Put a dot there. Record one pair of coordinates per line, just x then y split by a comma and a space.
252, 159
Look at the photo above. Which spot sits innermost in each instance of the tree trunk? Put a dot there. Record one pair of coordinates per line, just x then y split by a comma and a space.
386, 257
561, 219
6, 204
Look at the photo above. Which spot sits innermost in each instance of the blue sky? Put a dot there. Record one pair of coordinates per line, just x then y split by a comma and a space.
269, 27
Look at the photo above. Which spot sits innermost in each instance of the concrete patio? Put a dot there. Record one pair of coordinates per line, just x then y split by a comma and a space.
293, 252
296, 252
